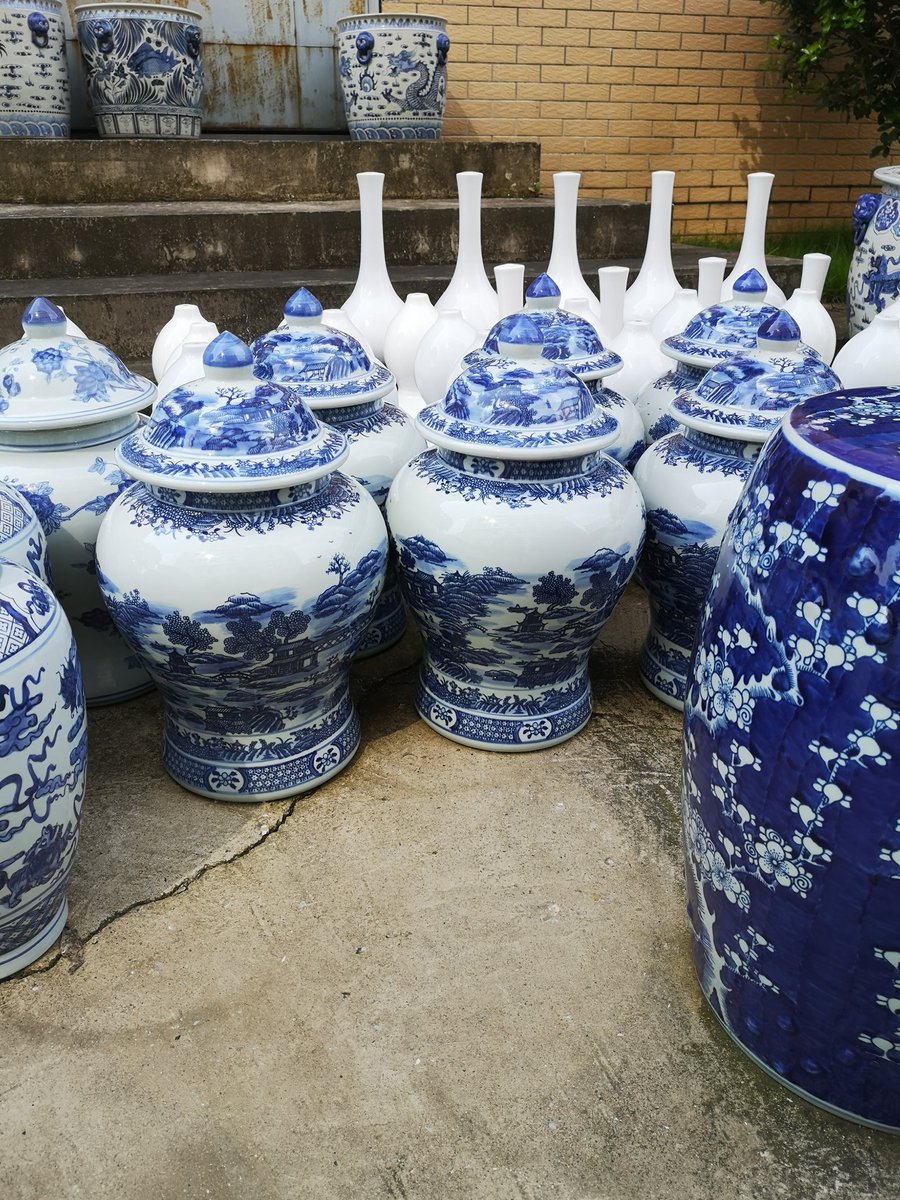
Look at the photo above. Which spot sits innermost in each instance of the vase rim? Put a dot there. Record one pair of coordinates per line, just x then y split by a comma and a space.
141, 6
387, 18
853, 430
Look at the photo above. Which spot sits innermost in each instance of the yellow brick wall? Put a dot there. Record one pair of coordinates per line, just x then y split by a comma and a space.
618, 88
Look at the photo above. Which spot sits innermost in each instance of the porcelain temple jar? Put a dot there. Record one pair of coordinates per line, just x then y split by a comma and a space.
65, 404
792, 761
43, 751
712, 336
22, 539
34, 78
393, 72
516, 537
692, 478
251, 653
143, 68
873, 280
571, 341
335, 378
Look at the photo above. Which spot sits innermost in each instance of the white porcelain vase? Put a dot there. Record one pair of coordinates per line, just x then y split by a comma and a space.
752, 253
564, 267
401, 345
469, 289
373, 303
656, 283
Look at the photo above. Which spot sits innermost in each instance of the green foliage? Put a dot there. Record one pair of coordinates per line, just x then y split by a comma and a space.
846, 54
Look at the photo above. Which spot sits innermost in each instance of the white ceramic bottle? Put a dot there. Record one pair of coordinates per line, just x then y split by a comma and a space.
806, 307
872, 357
612, 282
469, 289
564, 266
643, 359
401, 345
439, 356
510, 280
752, 254
172, 335
186, 362
710, 274
656, 282
373, 303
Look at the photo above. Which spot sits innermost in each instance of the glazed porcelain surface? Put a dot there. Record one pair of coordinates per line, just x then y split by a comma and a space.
691, 479
791, 753
393, 72
564, 266
373, 303
171, 336
254, 680
516, 537
571, 341
439, 358
716, 332
655, 283
752, 252
871, 358
22, 539
333, 375
43, 751
34, 79
654, 400
873, 280
65, 404
401, 345
143, 68
469, 289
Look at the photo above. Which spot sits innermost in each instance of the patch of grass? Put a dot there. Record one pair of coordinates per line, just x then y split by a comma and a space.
836, 240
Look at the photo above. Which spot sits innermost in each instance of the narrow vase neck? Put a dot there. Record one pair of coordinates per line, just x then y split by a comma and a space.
659, 235
564, 248
371, 233
753, 242
469, 256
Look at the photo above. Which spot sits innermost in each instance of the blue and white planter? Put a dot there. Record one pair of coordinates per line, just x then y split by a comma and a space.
691, 480
516, 537
873, 280
143, 68
251, 653
34, 79
393, 71
572, 342
792, 761
43, 752
65, 404
334, 376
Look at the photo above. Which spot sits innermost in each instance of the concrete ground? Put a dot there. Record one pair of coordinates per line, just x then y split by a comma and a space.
445, 974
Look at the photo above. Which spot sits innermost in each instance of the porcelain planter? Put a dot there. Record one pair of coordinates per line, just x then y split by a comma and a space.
65, 404
251, 653
43, 751
393, 71
873, 280
143, 68
792, 762
516, 537
333, 376
34, 80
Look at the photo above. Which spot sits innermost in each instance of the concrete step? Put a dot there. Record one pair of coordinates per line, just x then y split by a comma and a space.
125, 313
88, 241
54, 171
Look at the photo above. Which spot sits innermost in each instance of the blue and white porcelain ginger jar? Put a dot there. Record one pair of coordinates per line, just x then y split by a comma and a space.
65, 404
331, 372
143, 68
244, 568
873, 280
572, 342
516, 537
709, 338
22, 539
393, 72
792, 761
34, 78
43, 752
691, 480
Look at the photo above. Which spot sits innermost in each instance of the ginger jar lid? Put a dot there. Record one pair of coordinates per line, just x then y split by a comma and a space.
328, 368
518, 405
715, 333
569, 339
746, 396
230, 431
49, 380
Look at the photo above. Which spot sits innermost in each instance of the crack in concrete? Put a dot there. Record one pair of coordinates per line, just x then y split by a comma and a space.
72, 945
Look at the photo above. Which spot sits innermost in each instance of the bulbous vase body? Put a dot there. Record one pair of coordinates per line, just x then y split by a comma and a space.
873, 280
254, 681
792, 761
43, 752
511, 568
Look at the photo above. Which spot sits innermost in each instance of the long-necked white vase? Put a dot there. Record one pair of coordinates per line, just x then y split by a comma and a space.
806, 307
510, 281
172, 335
439, 357
752, 254
564, 268
656, 283
373, 303
872, 357
401, 345
469, 289
612, 282
643, 359
710, 274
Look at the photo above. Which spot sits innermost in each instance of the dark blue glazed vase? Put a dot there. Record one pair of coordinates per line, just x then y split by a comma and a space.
792, 761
